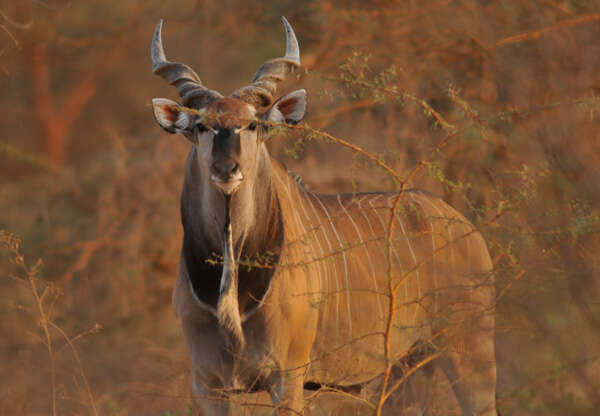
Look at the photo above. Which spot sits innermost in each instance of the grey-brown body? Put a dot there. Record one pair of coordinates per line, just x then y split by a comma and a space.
324, 314
278, 286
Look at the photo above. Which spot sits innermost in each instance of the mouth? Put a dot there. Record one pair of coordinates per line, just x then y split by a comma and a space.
227, 185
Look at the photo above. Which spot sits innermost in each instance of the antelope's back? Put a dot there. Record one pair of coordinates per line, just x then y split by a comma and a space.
437, 266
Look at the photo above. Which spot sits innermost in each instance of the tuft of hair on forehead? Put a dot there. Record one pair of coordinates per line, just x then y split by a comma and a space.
231, 112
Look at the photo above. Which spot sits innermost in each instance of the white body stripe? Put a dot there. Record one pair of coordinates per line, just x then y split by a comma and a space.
335, 274
364, 245
414, 257
433, 262
345, 265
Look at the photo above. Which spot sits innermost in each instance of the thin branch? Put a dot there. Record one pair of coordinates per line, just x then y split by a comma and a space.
594, 17
16, 25
9, 34
324, 119
79, 365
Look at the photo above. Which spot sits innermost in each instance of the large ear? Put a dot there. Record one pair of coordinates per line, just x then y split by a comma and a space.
171, 116
289, 108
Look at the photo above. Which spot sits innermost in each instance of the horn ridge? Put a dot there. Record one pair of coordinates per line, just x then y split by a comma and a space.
188, 83
264, 83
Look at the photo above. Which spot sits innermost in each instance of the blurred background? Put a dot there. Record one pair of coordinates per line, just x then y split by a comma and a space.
494, 102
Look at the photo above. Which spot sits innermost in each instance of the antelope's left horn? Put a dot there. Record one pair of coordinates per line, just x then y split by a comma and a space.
264, 84
188, 83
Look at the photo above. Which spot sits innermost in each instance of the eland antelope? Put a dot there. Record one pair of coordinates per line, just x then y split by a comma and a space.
281, 288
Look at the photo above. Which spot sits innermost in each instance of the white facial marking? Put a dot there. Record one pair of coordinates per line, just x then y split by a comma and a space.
230, 185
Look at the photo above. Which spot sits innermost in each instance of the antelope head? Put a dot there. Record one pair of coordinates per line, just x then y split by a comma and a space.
226, 130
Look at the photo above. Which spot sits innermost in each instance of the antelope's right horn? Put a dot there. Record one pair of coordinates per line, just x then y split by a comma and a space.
264, 84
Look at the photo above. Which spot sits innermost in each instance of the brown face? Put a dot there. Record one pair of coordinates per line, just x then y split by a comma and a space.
227, 142
224, 133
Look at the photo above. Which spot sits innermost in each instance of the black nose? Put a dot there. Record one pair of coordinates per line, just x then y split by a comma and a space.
225, 168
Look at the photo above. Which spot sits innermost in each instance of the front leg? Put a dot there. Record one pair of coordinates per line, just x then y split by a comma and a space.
287, 393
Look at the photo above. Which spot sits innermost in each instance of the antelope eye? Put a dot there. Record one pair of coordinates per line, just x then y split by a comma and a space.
252, 126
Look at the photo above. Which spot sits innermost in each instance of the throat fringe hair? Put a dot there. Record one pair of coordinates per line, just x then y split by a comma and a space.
228, 309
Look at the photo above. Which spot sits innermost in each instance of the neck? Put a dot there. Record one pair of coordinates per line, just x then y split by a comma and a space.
256, 228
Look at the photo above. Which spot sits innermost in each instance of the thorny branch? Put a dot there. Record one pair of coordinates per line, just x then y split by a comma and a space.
588, 18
